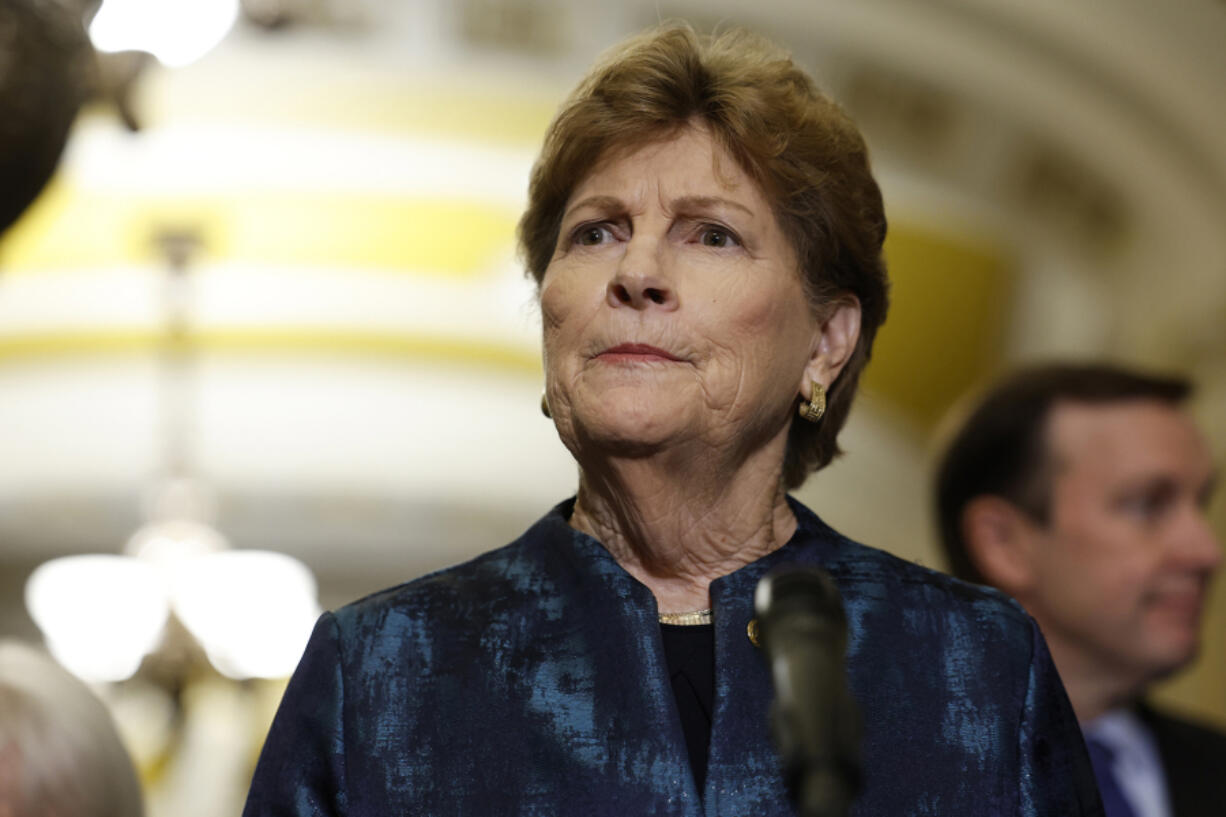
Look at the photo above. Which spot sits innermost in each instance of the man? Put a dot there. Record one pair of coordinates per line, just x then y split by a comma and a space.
1081, 492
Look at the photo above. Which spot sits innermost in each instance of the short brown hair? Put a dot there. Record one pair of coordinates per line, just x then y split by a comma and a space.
1001, 448
794, 142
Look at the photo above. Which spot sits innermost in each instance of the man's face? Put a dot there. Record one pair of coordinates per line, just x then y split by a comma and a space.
1121, 570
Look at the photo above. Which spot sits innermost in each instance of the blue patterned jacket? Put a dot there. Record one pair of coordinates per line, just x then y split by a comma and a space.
531, 681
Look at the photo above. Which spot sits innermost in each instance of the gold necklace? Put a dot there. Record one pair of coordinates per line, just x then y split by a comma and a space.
688, 619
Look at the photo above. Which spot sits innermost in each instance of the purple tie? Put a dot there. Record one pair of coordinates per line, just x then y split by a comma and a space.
1115, 804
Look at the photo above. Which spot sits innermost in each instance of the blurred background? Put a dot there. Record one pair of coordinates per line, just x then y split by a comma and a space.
269, 305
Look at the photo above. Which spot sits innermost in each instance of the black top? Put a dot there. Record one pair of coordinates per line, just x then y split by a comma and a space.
689, 650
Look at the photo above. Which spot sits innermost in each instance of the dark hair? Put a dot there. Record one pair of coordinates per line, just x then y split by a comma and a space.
795, 143
1001, 449
44, 62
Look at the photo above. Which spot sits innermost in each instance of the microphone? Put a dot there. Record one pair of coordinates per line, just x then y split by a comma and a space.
816, 722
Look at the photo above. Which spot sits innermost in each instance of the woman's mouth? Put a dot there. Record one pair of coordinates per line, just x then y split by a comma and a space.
636, 353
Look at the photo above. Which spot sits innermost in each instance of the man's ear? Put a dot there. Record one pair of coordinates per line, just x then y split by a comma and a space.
1000, 543
834, 343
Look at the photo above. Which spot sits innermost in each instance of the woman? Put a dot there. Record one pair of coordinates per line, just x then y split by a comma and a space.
706, 237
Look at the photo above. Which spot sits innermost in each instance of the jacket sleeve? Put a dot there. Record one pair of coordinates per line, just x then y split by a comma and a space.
1056, 776
301, 770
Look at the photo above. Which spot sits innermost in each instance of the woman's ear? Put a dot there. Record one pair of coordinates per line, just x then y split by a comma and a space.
834, 342
1000, 543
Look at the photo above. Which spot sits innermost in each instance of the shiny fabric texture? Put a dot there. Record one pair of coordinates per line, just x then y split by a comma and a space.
532, 681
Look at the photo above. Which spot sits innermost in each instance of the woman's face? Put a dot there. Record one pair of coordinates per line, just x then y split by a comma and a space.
673, 308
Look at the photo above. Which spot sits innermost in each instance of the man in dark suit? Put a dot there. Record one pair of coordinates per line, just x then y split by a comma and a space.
1081, 490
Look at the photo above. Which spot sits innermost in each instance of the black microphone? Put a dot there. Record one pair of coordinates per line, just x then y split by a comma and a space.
816, 723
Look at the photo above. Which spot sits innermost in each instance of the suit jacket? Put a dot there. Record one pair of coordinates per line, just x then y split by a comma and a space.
532, 681
1193, 761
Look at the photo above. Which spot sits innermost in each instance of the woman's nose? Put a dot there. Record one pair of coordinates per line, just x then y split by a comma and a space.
641, 292
640, 283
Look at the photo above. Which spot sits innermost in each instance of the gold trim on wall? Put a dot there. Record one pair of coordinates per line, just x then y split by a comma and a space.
243, 341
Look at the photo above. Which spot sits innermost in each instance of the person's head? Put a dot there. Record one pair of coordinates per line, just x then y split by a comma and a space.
44, 60
672, 134
1081, 490
60, 755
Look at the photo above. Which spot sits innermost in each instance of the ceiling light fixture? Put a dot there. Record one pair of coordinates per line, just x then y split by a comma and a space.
177, 32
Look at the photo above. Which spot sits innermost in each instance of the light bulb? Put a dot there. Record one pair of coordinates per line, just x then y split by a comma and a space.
251, 610
177, 32
101, 614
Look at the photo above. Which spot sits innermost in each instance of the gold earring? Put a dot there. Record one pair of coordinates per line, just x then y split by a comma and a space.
545, 406
816, 407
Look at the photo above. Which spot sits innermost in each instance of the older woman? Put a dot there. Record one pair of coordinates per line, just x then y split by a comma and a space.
706, 236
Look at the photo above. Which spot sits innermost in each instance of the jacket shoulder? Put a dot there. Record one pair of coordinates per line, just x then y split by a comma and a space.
1190, 735
1194, 760
450, 592
868, 569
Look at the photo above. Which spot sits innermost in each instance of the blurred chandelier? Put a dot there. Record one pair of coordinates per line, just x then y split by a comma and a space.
177, 32
251, 611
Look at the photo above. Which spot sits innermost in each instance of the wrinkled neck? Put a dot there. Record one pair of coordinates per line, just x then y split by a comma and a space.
678, 526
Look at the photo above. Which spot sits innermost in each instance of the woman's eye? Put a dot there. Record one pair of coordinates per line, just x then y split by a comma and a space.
591, 235
718, 237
